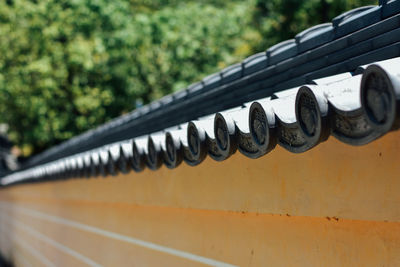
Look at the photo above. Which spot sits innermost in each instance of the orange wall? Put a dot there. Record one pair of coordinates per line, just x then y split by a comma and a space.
336, 205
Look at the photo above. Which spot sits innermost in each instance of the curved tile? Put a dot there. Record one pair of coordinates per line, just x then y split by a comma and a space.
231, 127
219, 136
231, 73
73, 169
313, 31
289, 134
380, 95
262, 128
198, 140
114, 152
173, 148
332, 79
125, 155
212, 81
193, 144
314, 36
254, 63
80, 167
87, 161
244, 140
154, 155
346, 118
281, 51
311, 109
67, 169
356, 19
96, 166
119, 158
349, 14
139, 149
195, 88
106, 162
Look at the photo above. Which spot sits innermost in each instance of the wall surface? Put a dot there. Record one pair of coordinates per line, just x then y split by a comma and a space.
335, 205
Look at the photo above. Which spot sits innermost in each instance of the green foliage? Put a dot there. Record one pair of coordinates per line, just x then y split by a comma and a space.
66, 66
69, 65
279, 20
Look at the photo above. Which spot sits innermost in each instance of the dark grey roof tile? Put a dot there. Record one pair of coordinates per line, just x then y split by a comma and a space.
255, 63
331, 79
231, 73
212, 81
281, 51
314, 37
356, 19
180, 95
389, 8
385, 52
195, 88
166, 100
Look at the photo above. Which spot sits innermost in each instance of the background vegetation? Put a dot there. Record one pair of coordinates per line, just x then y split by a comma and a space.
69, 65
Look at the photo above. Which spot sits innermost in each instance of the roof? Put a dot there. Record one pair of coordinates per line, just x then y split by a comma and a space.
332, 79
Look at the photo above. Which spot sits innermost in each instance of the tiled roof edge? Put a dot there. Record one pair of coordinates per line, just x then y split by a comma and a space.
358, 37
354, 108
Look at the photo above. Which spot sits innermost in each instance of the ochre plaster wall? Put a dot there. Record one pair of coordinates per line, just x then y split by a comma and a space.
335, 205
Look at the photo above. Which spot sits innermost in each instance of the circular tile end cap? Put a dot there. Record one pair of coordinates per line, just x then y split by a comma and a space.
378, 99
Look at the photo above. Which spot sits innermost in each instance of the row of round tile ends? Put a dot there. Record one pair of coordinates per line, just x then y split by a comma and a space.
356, 108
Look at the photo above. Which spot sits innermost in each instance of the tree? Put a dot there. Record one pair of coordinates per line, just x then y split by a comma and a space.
279, 20
69, 65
